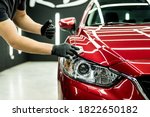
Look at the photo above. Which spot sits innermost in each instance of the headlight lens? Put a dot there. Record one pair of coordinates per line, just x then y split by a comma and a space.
89, 72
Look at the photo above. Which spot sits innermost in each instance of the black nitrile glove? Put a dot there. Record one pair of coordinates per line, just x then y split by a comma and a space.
48, 29
64, 50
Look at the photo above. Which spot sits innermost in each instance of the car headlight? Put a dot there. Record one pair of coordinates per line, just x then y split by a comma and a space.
89, 72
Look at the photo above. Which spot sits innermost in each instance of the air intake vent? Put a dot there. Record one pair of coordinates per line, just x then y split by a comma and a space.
144, 81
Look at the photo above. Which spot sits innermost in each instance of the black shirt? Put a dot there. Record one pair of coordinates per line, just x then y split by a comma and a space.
9, 7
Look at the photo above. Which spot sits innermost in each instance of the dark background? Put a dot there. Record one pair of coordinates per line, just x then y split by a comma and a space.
40, 14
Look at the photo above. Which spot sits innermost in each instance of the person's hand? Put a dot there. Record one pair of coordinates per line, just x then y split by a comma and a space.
48, 29
64, 50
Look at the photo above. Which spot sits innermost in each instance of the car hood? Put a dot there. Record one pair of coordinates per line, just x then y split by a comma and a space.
123, 47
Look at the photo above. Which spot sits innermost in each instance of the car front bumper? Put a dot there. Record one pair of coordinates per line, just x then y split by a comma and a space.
70, 89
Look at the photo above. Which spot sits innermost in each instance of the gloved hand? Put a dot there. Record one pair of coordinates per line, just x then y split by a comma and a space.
48, 29
64, 50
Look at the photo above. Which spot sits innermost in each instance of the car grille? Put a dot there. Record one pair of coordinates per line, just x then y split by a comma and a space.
144, 81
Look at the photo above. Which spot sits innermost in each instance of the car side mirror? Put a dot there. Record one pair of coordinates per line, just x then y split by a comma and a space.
68, 24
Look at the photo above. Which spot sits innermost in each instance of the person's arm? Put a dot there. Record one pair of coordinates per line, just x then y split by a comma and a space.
22, 20
9, 32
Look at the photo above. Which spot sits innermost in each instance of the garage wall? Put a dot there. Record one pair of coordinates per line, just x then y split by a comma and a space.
7, 61
42, 11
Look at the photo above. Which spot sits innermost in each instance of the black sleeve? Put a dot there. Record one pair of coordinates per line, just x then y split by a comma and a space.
22, 5
3, 14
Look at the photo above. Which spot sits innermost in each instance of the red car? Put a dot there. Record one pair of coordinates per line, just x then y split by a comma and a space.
114, 56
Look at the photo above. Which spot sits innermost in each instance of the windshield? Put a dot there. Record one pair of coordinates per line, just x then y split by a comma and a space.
130, 11
127, 14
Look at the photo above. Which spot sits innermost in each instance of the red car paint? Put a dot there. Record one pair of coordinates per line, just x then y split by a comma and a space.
123, 47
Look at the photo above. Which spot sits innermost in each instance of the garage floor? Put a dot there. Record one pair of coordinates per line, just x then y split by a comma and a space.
29, 81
